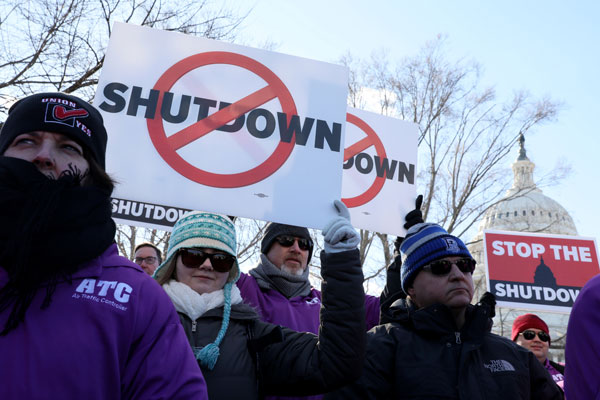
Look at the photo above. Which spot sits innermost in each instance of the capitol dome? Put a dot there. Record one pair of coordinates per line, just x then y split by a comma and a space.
524, 208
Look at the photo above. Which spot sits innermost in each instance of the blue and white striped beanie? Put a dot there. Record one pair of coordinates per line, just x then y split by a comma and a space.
201, 229
423, 244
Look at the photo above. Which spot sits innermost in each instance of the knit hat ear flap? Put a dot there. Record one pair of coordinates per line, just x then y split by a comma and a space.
209, 354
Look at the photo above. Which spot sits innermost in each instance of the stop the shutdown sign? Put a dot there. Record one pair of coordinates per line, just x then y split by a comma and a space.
204, 125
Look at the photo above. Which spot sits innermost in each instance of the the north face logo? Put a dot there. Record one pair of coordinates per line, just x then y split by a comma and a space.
499, 366
451, 245
64, 112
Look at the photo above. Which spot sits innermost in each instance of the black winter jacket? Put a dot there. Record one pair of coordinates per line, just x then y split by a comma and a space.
422, 355
283, 361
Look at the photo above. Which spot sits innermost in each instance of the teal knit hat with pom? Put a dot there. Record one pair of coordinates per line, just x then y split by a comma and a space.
205, 230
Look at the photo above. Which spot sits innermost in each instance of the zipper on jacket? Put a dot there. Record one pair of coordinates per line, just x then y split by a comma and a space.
457, 334
193, 326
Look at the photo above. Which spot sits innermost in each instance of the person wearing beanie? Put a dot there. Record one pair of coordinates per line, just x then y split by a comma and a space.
68, 302
436, 343
279, 287
240, 355
531, 332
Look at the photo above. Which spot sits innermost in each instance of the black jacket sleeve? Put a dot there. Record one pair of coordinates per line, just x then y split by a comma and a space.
392, 290
304, 364
377, 379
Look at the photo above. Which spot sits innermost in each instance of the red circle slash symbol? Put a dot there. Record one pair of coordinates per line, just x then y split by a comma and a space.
371, 140
167, 146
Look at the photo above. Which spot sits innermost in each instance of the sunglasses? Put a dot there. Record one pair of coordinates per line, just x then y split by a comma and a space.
193, 258
288, 241
529, 335
443, 267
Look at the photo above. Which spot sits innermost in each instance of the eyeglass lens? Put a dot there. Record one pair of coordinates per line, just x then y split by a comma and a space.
288, 241
148, 260
443, 267
529, 335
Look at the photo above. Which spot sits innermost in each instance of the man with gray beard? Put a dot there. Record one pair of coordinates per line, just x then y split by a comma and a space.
279, 288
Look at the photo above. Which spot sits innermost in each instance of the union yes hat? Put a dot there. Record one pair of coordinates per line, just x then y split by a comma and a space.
423, 244
58, 113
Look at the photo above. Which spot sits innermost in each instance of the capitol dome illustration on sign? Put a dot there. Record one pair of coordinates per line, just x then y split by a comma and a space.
524, 208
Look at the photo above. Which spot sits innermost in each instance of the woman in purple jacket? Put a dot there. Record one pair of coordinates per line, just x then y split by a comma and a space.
76, 319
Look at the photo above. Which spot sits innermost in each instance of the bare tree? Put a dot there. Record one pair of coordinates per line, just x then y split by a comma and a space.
60, 45
465, 132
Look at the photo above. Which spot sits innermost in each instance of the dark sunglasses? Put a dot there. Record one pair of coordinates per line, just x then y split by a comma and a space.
443, 267
529, 335
288, 241
194, 258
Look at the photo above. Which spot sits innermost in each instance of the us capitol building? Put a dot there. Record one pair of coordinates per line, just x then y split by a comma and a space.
524, 208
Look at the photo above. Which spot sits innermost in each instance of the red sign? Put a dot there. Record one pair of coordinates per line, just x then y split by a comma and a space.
371, 140
167, 146
537, 269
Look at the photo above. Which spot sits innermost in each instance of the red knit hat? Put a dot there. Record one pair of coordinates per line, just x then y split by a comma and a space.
527, 321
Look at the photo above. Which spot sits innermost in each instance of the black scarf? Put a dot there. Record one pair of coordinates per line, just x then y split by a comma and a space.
48, 228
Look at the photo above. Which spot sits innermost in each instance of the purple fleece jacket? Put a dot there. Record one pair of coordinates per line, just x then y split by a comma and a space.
582, 353
298, 313
111, 334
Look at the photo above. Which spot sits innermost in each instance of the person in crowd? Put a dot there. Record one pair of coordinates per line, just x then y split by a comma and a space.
531, 332
439, 345
147, 256
241, 356
582, 352
76, 319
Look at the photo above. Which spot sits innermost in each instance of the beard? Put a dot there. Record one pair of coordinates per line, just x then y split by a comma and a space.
292, 271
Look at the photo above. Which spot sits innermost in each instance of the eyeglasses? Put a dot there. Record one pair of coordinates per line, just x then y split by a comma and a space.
288, 241
147, 260
193, 258
443, 267
529, 335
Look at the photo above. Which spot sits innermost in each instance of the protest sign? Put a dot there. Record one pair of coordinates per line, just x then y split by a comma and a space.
200, 124
380, 167
538, 271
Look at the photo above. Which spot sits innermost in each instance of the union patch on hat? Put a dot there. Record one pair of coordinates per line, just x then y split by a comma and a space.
57, 113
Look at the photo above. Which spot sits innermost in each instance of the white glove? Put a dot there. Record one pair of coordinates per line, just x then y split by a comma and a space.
339, 234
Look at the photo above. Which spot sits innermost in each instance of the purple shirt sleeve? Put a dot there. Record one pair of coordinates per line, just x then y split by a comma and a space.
582, 363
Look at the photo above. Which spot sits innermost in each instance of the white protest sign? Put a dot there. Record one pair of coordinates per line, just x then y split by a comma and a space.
380, 169
200, 124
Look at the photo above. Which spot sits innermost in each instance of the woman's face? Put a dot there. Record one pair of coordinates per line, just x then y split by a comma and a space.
203, 279
51, 153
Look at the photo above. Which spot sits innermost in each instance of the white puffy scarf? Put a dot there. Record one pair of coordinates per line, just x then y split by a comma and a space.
194, 304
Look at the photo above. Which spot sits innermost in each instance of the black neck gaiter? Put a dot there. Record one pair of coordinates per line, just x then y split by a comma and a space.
48, 228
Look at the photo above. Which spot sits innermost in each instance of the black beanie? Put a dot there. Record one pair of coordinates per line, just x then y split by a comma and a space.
57, 113
273, 229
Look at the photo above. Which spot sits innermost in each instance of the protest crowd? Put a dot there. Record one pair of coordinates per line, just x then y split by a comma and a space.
77, 320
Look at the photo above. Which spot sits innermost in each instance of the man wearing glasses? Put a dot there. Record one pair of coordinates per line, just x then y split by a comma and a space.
439, 345
147, 256
531, 332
